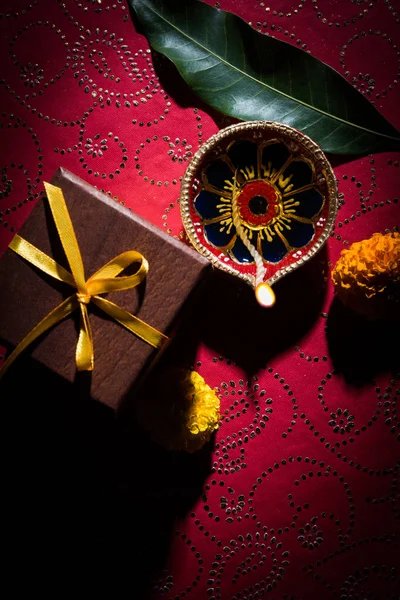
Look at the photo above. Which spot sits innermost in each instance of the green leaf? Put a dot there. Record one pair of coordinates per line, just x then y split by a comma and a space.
251, 76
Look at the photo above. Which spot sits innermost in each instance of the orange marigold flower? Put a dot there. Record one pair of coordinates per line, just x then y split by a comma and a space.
367, 275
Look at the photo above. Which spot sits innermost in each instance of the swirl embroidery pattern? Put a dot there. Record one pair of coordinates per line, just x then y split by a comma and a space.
298, 495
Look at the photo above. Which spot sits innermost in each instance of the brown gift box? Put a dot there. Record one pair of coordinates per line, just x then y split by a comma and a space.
103, 229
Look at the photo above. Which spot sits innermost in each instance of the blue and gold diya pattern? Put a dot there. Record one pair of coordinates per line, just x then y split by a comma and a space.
284, 189
278, 201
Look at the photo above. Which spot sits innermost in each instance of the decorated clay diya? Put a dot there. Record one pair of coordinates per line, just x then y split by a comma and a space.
259, 199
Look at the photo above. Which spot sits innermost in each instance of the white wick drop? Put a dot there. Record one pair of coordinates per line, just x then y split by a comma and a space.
265, 295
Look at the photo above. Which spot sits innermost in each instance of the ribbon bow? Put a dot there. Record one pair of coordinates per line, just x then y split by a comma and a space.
104, 280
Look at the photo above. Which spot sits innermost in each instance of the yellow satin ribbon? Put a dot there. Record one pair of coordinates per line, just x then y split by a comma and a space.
103, 281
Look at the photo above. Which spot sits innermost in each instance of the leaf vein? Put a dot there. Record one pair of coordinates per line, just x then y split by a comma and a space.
266, 85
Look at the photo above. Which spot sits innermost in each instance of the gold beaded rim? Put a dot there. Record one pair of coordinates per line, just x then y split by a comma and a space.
258, 129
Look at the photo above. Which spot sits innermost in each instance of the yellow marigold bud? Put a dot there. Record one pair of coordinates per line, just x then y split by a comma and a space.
202, 415
367, 276
186, 416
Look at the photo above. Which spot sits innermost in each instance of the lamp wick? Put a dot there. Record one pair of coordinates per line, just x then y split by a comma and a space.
264, 293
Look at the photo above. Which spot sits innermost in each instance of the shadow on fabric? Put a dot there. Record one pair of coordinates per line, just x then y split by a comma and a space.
87, 501
89, 498
232, 323
361, 348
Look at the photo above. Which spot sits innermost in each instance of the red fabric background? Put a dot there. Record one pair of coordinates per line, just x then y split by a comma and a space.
289, 507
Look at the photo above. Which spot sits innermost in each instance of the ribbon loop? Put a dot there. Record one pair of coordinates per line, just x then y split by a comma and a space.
105, 280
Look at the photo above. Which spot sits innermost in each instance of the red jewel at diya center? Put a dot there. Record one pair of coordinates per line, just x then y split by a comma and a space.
258, 203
